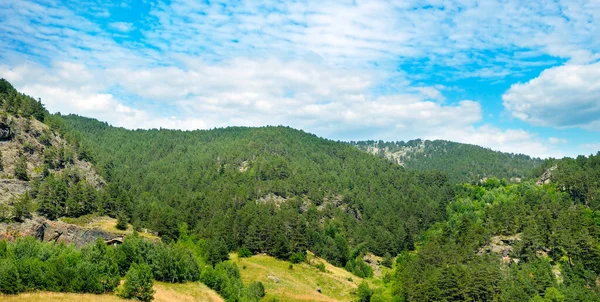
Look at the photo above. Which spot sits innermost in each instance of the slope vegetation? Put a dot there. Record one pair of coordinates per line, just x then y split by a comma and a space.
272, 189
461, 162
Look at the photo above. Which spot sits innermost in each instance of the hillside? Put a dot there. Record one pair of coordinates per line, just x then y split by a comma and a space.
461, 162
277, 195
36, 162
288, 188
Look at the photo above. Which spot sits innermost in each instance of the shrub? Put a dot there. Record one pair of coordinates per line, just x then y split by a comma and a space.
21, 169
364, 292
298, 257
244, 253
387, 260
138, 283
10, 283
254, 291
121, 222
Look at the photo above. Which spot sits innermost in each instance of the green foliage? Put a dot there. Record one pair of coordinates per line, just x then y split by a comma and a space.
255, 291
29, 265
216, 252
22, 207
121, 222
18, 104
28, 148
448, 265
225, 279
298, 257
67, 194
21, 169
460, 162
579, 177
215, 182
244, 252
138, 283
387, 260
364, 292
10, 281
359, 267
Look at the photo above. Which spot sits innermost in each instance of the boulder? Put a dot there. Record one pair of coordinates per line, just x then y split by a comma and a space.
5, 132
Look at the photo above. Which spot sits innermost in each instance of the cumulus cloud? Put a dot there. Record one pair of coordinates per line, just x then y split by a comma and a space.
564, 97
327, 67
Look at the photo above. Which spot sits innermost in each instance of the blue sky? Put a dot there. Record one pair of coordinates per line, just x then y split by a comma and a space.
511, 75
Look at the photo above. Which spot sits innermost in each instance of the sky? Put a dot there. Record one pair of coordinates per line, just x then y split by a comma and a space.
511, 75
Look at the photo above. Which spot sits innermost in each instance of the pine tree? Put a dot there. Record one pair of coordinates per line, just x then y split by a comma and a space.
21, 169
22, 207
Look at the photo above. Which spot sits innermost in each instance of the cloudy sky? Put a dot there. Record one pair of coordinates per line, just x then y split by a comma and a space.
511, 75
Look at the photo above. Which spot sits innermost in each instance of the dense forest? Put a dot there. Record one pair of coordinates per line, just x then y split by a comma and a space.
283, 192
271, 189
461, 162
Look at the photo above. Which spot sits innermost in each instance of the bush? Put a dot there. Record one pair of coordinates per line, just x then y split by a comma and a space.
21, 169
121, 222
364, 292
254, 291
244, 253
28, 148
298, 257
10, 283
321, 267
387, 260
138, 283
359, 268
216, 251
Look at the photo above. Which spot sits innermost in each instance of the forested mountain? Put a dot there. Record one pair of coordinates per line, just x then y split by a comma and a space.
461, 162
271, 189
284, 192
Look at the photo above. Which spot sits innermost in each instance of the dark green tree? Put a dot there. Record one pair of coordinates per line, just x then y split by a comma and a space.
21, 169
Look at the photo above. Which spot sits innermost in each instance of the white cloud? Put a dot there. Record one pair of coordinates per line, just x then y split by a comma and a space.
319, 66
122, 26
564, 96
593, 148
555, 140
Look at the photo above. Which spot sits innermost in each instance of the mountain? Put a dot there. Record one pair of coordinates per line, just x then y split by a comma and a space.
461, 162
407, 232
264, 188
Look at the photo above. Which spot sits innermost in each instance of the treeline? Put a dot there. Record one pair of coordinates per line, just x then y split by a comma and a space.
19, 104
28, 265
272, 189
553, 255
463, 163
579, 177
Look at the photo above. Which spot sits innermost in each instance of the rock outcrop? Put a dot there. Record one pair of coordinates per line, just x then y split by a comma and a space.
5, 132
547, 176
53, 231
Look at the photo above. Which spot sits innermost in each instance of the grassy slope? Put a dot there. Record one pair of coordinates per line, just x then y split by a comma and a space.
297, 284
165, 292
301, 282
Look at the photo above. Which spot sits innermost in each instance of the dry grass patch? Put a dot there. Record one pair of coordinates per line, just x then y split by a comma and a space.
63, 297
165, 292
